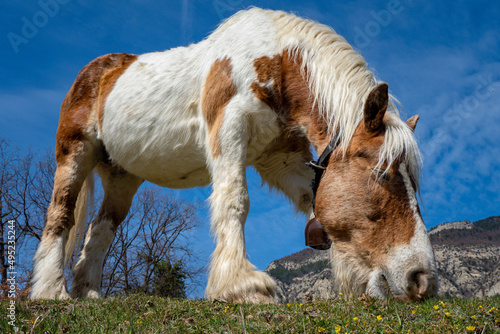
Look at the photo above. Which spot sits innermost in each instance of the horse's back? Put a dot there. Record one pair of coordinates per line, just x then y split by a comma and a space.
149, 107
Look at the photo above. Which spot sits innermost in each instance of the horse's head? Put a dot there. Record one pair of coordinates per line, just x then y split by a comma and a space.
370, 212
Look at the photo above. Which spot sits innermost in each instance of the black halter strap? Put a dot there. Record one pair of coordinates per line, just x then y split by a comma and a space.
321, 164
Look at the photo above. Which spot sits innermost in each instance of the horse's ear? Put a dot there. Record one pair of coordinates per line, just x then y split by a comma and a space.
412, 122
376, 106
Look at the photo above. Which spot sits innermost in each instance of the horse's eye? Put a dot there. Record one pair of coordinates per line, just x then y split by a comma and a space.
382, 174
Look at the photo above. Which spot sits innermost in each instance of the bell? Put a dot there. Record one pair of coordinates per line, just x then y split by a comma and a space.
316, 236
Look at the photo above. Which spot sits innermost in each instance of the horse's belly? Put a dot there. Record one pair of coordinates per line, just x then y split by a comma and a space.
160, 161
168, 150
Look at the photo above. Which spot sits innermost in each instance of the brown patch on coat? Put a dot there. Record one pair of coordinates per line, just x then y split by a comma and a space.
282, 85
88, 93
218, 90
360, 211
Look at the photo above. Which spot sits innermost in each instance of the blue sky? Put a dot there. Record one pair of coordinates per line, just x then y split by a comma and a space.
440, 58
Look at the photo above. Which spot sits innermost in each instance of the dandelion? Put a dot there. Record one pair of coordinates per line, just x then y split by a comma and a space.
379, 317
473, 317
414, 311
320, 329
355, 319
480, 306
436, 307
448, 314
341, 294
491, 309
337, 328
470, 328
300, 304
288, 305
227, 308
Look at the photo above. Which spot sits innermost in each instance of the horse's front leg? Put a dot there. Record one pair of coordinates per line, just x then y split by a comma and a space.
232, 277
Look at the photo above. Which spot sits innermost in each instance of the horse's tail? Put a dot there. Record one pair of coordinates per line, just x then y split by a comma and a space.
85, 197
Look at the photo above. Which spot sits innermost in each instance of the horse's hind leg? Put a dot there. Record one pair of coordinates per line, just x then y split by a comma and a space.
119, 189
75, 159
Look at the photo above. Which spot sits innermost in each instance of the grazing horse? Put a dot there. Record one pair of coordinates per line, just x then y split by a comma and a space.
262, 89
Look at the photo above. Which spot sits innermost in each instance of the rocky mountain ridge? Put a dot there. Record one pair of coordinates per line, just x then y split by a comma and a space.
467, 257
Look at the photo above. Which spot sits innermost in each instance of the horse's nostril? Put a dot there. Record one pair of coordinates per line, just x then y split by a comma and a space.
421, 284
415, 279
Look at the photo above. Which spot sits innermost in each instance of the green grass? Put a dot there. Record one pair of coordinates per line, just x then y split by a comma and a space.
149, 314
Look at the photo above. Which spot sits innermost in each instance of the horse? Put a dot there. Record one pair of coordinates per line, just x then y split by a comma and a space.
265, 89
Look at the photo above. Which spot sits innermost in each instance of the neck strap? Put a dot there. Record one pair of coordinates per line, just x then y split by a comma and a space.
321, 164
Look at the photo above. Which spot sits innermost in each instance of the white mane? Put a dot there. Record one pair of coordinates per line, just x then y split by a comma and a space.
341, 81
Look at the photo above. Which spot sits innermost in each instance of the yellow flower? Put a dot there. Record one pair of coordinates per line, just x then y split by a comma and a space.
227, 308
448, 314
288, 305
436, 307
300, 304
341, 294
473, 317
480, 306
470, 328
355, 318
379, 317
337, 328
492, 309
414, 311
320, 329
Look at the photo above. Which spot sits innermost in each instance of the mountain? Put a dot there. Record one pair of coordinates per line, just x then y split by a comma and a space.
467, 257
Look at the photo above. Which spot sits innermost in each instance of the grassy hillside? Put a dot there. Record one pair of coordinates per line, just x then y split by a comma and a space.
147, 314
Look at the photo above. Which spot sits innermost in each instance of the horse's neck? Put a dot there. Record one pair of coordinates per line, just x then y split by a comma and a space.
300, 105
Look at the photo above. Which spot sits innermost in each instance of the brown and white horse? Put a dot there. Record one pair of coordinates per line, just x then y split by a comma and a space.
260, 90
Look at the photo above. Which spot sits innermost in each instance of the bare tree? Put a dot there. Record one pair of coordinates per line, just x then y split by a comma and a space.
158, 228
9, 157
